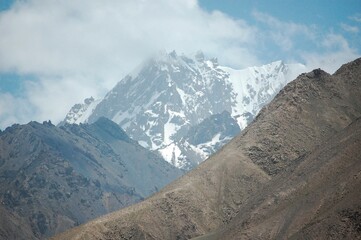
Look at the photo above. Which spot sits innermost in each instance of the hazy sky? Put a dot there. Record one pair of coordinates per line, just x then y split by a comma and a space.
56, 53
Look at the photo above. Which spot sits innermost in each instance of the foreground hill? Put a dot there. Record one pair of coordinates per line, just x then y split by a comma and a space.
54, 178
301, 119
317, 198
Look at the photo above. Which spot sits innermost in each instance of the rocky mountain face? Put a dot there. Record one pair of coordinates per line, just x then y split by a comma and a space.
318, 200
212, 133
293, 173
167, 95
54, 178
202, 140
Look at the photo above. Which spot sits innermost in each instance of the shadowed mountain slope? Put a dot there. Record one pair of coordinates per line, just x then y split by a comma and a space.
302, 117
52, 179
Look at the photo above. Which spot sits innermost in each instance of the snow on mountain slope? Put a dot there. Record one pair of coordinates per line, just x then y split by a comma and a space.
162, 102
202, 140
256, 86
80, 112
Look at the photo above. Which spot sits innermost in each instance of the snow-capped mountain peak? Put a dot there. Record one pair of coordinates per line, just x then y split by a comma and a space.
162, 101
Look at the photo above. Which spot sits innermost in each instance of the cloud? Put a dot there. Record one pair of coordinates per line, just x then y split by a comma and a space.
284, 33
356, 18
81, 48
337, 52
91, 37
312, 46
14, 110
52, 101
349, 28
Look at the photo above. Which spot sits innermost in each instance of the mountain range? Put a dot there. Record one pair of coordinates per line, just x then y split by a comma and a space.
293, 173
170, 96
55, 178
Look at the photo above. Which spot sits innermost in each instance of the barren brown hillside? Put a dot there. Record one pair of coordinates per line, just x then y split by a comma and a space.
317, 199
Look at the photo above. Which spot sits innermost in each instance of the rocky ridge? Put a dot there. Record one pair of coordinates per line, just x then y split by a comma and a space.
54, 178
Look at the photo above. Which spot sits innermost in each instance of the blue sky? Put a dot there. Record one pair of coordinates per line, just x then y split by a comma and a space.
5, 4
54, 54
327, 15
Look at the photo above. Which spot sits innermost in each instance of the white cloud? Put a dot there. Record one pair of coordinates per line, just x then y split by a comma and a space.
52, 101
349, 28
328, 50
356, 18
14, 110
95, 38
284, 33
337, 52
81, 48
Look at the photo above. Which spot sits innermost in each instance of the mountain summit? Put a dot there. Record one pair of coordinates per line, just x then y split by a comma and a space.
170, 94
